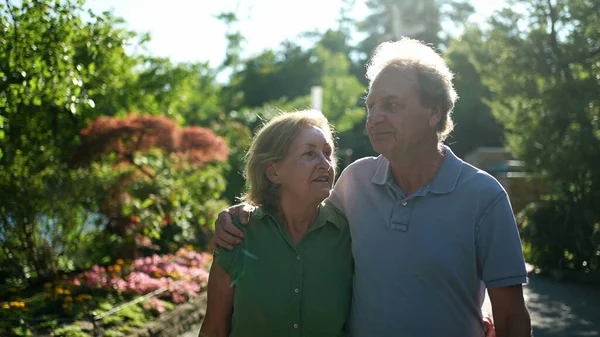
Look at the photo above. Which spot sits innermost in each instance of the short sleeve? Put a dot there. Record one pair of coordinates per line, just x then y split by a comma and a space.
226, 260
500, 259
229, 260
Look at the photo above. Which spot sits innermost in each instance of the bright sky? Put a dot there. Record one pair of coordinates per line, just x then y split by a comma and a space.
185, 30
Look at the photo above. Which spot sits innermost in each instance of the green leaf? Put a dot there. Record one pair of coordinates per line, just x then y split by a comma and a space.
147, 203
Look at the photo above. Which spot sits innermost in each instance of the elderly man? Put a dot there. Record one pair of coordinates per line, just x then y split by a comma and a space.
429, 232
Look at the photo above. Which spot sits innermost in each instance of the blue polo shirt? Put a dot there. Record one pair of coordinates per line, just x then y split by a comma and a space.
422, 261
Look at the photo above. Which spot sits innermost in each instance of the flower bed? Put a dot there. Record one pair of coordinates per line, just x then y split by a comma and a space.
68, 306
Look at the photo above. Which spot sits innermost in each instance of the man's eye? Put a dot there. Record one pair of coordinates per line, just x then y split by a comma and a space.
394, 106
309, 153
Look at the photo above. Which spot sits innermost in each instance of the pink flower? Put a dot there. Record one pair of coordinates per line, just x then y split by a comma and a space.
183, 273
155, 304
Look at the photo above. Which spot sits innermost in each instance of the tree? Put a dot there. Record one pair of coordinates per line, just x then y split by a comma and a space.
61, 68
475, 125
164, 178
54, 68
421, 20
541, 65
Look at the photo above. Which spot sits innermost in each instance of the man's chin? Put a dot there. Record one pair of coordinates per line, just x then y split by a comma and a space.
380, 149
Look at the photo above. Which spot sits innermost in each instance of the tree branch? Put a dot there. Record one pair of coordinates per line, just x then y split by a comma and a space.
563, 66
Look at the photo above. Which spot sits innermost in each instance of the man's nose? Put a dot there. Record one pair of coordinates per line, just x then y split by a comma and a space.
374, 116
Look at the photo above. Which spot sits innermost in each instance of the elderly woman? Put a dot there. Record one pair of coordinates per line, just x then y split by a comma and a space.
292, 275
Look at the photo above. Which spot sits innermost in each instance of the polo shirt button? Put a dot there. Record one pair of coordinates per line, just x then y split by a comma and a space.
296, 290
297, 257
404, 203
295, 326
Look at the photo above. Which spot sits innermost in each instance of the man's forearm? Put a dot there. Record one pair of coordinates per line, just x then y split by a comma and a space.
515, 325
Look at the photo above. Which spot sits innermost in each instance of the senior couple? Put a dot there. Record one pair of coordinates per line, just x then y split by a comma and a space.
404, 244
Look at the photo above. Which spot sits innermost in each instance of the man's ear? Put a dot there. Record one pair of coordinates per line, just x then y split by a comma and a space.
271, 173
435, 117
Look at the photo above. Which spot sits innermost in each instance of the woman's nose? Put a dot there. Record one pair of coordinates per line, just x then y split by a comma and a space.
324, 162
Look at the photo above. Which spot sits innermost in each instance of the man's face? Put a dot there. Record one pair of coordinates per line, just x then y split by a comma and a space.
397, 122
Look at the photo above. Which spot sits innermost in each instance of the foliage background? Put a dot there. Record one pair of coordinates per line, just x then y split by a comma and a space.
84, 182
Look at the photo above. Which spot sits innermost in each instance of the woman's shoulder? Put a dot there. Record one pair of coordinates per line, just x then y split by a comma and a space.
259, 219
333, 215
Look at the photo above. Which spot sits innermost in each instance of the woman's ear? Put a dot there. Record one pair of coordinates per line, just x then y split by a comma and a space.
271, 173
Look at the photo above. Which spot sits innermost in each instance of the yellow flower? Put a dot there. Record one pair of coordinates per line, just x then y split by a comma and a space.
110, 268
5, 306
67, 292
59, 290
17, 304
85, 297
118, 268
68, 299
65, 306
188, 247
120, 261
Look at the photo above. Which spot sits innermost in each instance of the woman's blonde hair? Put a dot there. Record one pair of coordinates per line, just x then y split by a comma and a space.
270, 145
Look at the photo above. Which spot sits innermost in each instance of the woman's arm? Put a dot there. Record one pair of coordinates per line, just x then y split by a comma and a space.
220, 304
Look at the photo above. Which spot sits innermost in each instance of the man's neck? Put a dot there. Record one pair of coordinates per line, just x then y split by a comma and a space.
414, 169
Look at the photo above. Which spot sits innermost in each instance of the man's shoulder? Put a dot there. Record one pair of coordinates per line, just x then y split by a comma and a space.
476, 180
363, 165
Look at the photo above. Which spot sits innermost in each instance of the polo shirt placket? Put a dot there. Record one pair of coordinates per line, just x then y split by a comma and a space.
403, 208
296, 295
296, 289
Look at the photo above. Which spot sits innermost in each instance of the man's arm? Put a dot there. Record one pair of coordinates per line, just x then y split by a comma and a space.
220, 304
502, 268
226, 233
511, 317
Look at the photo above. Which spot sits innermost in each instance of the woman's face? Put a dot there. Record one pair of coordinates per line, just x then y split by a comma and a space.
306, 173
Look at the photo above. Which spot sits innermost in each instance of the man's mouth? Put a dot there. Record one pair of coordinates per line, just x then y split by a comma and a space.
380, 133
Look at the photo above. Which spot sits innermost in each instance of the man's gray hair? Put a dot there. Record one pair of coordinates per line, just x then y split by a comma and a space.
434, 76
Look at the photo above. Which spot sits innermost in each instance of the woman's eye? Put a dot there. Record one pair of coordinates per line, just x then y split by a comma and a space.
309, 153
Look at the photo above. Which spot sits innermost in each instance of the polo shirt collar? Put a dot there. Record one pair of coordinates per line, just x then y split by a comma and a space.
326, 215
444, 182
382, 175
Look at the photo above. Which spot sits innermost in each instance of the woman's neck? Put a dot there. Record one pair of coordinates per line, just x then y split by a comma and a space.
297, 216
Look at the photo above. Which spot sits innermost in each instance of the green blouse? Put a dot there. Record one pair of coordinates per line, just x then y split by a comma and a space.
282, 289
